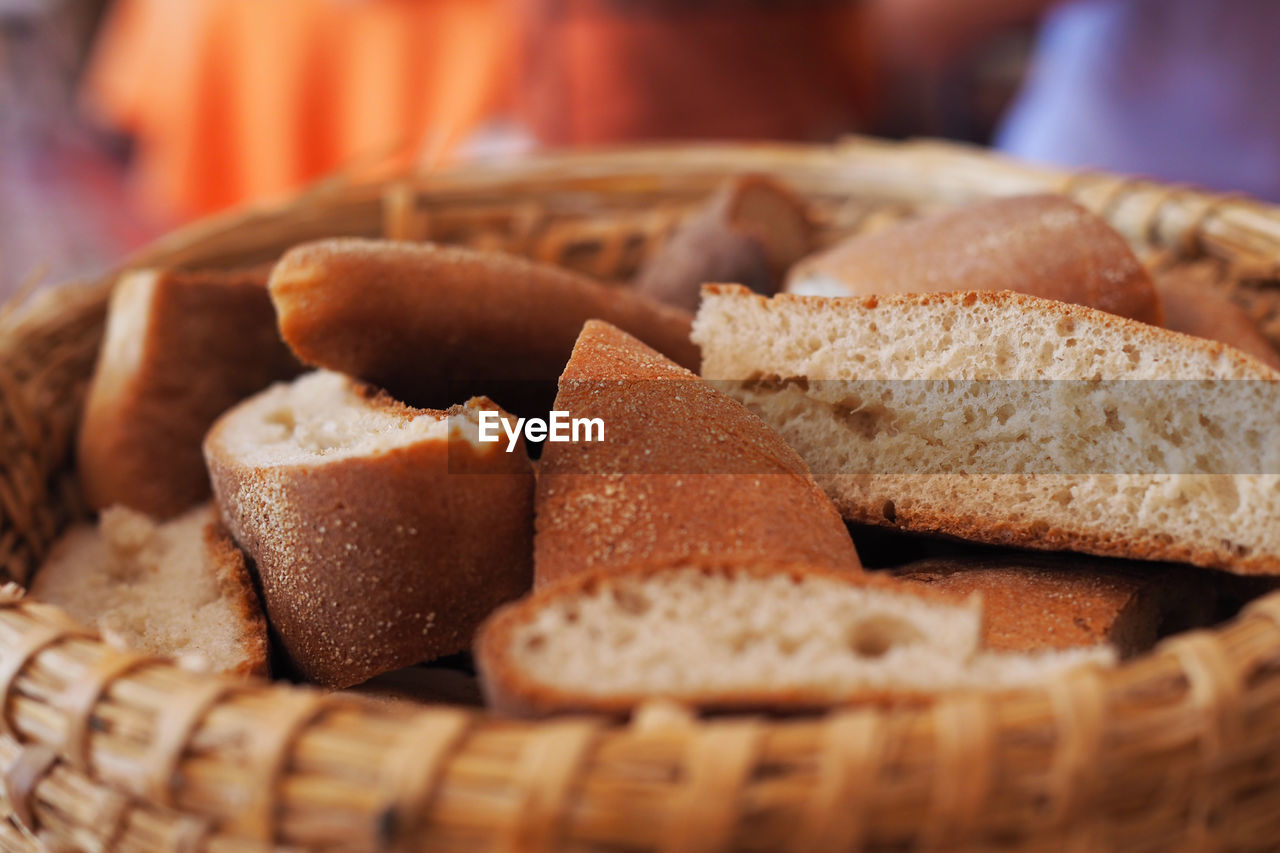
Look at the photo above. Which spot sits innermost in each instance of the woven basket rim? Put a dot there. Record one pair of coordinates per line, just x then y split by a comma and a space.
1205, 680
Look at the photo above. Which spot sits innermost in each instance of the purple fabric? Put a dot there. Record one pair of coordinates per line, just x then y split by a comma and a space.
1179, 90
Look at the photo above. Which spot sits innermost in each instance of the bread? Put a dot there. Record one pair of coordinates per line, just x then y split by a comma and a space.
177, 588
382, 534
750, 232
1044, 245
1194, 304
179, 349
891, 401
683, 471
721, 636
1048, 602
433, 324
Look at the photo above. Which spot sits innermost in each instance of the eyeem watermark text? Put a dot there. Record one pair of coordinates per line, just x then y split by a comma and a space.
559, 427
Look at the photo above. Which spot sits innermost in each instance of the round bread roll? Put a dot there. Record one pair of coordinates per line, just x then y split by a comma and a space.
382, 534
1043, 245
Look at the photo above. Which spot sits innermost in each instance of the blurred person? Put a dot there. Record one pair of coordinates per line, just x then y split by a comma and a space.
610, 71
231, 101
1178, 90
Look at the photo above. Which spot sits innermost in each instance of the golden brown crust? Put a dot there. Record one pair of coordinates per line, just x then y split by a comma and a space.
750, 232
509, 690
1037, 601
434, 324
1044, 245
181, 348
237, 590
684, 471
375, 562
1194, 305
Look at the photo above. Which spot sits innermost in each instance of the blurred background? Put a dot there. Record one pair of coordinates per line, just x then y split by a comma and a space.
120, 119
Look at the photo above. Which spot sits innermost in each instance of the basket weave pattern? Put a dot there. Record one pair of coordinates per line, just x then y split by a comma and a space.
102, 748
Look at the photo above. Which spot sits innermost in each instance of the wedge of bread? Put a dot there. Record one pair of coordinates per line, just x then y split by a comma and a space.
751, 232
1045, 245
1196, 305
1009, 419
177, 588
434, 324
720, 636
382, 534
180, 349
1046, 601
682, 471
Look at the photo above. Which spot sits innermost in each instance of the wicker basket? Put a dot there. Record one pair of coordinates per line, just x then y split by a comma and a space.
106, 749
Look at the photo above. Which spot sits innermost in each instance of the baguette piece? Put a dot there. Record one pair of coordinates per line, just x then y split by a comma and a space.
904, 409
1044, 245
729, 636
177, 588
751, 231
382, 534
1194, 305
683, 471
1056, 602
180, 348
433, 324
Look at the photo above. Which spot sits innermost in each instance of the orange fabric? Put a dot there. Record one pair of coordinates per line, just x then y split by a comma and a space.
235, 100
601, 71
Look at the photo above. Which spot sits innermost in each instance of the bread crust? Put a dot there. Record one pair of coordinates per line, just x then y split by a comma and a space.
1194, 305
228, 561
508, 690
180, 348
684, 471
369, 563
434, 324
1041, 601
1044, 245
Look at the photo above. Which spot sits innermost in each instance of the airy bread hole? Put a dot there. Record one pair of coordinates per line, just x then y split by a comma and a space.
878, 634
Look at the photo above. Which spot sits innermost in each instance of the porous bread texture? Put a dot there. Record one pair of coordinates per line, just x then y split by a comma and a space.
178, 588
742, 637
325, 416
1140, 472
382, 534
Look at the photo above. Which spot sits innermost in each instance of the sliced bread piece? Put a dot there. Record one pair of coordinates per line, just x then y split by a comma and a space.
177, 588
1196, 305
683, 470
433, 324
180, 349
751, 232
1045, 601
1009, 419
1045, 245
382, 534
727, 636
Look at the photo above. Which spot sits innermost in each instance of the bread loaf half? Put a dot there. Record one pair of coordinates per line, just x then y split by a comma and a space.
1196, 305
1045, 245
741, 637
682, 471
382, 534
180, 349
1056, 602
434, 324
1009, 419
177, 588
